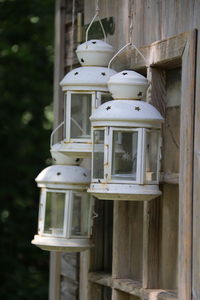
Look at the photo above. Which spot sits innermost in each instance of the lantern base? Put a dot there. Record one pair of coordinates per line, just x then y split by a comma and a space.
62, 244
71, 151
113, 191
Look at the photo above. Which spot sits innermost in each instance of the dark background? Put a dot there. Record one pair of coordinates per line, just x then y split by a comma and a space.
26, 81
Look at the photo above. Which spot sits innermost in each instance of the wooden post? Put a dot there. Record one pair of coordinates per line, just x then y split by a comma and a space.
55, 258
186, 169
54, 278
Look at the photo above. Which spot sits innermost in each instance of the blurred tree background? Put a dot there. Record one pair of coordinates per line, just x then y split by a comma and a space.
26, 81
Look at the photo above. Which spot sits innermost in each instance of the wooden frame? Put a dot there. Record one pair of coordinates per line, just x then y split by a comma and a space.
177, 51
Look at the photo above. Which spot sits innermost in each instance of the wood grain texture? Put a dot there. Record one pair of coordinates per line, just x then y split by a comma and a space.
54, 278
69, 273
150, 261
186, 168
168, 240
123, 288
60, 6
127, 240
153, 21
119, 10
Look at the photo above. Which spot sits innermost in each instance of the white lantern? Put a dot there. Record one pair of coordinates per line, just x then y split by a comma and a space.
85, 88
65, 213
126, 142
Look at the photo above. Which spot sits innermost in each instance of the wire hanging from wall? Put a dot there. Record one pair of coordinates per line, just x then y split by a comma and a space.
130, 43
96, 16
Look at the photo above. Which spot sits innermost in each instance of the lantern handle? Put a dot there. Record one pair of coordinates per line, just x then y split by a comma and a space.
96, 16
53, 132
121, 50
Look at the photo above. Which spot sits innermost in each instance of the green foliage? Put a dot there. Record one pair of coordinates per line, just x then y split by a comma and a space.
26, 80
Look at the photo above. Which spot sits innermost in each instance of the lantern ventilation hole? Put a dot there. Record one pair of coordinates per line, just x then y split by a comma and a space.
94, 42
108, 107
82, 60
76, 73
78, 159
99, 181
137, 108
139, 94
58, 173
124, 73
103, 73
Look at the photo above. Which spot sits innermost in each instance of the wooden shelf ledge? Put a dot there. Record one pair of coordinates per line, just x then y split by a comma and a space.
170, 178
131, 287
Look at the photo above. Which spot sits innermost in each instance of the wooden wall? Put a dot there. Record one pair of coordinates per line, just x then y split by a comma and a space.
155, 20
155, 246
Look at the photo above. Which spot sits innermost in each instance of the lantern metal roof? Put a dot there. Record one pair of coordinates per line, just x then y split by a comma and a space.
126, 113
60, 176
94, 53
87, 79
128, 85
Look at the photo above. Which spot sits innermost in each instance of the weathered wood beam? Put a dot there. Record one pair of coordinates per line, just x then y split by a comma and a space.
186, 169
170, 178
166, 53
131, 287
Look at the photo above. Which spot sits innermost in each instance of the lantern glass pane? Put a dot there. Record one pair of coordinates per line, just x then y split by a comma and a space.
98, 154
80, 214
151, 165
124, 155
105, 98
80, 113
40, 219
54, 213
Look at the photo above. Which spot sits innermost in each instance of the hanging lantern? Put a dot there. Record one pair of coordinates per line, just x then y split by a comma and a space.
85, 88
65, 212
126, 142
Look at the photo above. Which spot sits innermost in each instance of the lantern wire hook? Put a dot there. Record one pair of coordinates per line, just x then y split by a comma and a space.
96, 16
130, 43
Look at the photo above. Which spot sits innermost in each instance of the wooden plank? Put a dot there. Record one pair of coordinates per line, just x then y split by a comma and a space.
168, 239
127, 240
150, 263
130, 287
69, 273
150, 243
167, 52
54, 278
101, 278
95, 292
83, 275
96, 253
196, 173
58, 60
55, 258
108, 236
169, 177
186, 168
121, 266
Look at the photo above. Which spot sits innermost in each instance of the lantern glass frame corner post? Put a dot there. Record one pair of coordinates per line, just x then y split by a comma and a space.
126, 145
65, 211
